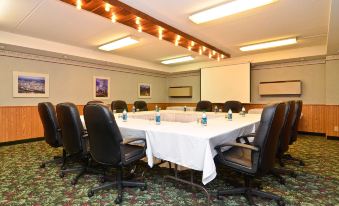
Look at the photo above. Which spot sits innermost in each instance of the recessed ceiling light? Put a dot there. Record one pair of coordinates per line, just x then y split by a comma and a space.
266, 45
178, 60
119, 43
227, 9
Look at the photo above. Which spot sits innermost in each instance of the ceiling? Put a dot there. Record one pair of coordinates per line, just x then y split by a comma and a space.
57, 21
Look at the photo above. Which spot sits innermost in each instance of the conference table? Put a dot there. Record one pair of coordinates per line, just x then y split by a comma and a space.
182, 139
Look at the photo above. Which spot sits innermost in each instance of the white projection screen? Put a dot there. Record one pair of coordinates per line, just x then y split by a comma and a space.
224, 83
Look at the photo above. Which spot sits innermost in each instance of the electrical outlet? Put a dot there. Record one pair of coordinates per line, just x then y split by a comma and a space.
336, 128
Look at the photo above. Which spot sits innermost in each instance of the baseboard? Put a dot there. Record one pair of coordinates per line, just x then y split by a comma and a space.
21, 141
312, 133
333, 138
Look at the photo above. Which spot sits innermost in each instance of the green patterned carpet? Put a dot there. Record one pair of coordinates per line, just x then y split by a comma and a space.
22, 182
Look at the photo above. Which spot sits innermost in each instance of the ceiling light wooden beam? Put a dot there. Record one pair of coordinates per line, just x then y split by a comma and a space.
134, 18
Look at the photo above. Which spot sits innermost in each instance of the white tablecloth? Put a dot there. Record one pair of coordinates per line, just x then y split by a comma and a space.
180, 108
188, 144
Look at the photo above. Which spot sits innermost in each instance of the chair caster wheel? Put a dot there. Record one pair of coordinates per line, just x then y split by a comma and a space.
282, 181
74, 182
280, 203
90, 193
293, 174
118, 200
102, 180
143, 188
62, 175
43, 165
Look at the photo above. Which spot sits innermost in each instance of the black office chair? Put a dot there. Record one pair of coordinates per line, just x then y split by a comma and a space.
52, 132
73, 138
294, 131
95, 102
119, 106
204, 106
256, 159
235, 106
141, 105
107, 148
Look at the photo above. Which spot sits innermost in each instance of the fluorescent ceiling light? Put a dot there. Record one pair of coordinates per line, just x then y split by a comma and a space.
270, 44
178, 60
227, 9
118, 44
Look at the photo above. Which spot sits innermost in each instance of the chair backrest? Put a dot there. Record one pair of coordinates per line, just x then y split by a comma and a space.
267, 137
104, 134
95, 102
285, 134
296, 118
50, 123
141, 105
119, 106
71, 127
204, 105
235, 106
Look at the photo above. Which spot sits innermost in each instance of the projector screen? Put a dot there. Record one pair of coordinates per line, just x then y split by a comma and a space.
224, 83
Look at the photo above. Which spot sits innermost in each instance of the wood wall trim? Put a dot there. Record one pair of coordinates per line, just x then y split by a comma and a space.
23, 122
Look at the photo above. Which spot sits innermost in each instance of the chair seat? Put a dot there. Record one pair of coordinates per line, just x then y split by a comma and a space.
132, 153
241, 156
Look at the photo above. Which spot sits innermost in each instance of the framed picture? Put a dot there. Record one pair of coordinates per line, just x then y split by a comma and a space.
30, 84
144, 90
101, 87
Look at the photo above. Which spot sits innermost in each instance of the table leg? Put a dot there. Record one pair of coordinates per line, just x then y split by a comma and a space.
176, 178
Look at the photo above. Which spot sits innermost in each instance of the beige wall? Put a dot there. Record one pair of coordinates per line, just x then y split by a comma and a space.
187, 79
74, 83
311, 74
332, 82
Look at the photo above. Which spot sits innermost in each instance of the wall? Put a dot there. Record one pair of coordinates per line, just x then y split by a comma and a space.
185, 79
332, 82
311, 74
74, 83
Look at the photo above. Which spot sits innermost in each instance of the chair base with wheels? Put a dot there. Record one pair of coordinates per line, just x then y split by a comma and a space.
119, 184
248, 191
289, 157
55, 160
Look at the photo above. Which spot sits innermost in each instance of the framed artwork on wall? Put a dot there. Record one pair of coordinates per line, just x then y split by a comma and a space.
101, 87
30, 84
144, 90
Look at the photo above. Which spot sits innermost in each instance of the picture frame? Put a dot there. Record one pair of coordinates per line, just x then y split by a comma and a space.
101, 87
144, 91
26, 84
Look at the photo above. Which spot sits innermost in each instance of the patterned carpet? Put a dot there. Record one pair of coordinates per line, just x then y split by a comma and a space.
22, 182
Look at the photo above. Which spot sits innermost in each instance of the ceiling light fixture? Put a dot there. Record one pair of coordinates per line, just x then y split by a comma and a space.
107, 7
119, 43
137, 20
160, 33
200, 51
139, 28
227, 9
189, 48
113, 18
192, 43
266, 45
178, 60
79, 4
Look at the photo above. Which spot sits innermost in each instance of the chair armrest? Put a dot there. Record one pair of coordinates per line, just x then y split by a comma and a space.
131, 140
221, 155
246, 146
84, 134
245, 138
